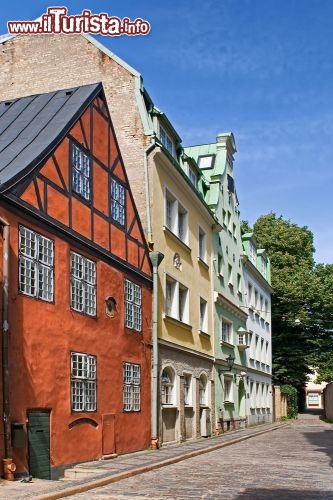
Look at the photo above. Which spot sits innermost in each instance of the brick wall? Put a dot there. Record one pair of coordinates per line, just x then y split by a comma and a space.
33, 64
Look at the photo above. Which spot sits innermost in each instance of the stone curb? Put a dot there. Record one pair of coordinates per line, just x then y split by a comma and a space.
73, 490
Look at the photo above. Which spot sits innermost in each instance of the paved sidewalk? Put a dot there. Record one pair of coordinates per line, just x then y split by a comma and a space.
125, 466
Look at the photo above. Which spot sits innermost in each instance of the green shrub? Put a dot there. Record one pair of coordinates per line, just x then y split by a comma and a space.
292, 396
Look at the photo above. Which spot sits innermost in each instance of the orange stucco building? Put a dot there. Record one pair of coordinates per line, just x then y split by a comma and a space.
77, 288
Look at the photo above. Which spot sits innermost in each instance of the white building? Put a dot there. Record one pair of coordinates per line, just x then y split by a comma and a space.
256, 272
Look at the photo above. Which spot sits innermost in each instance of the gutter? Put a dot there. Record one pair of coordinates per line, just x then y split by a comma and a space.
156, 258
147, 189
5, 331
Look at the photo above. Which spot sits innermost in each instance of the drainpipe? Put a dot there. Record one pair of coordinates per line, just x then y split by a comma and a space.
156, 258
5, 330
145, 162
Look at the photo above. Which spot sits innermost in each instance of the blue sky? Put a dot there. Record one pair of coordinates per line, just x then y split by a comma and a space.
262, 69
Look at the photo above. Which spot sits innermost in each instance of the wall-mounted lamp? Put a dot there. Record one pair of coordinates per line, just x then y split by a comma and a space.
230, 363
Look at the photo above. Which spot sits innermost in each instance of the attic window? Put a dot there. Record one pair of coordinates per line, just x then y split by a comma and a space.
80, 172
8, 103
166, 141
69, 92
206, 161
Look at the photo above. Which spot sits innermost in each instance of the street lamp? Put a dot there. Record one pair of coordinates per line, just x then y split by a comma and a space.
230, 363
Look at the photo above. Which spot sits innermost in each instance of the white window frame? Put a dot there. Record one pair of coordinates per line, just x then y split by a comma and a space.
118, 202
228, 390
133, 305
202, 245
176, 217
36, 265
193, 176
81, 176
264, 267
83, 382
203, 390
166, 141
83, 284
131, 387
176, 300
253, 253
226, 331
203, 315
168, 387
188, 400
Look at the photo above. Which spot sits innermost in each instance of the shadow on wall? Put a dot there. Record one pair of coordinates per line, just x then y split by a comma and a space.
285, 494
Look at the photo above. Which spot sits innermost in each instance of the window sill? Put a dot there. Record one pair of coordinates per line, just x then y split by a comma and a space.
169, 407
228, 403
203, 263
227, 344
204, 334
175, 238
177, 322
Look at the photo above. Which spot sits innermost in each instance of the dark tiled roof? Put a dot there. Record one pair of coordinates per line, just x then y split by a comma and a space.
30, 128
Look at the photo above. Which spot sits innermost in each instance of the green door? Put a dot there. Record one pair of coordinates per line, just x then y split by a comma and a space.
39, 444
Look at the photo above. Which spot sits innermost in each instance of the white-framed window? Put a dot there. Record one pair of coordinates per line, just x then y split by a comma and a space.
230, 280
36, 265
166, 140
83, 382
80, 172
234, 231
203, 391
183, 303
168, 386
226, 331
239, 283
220, 264
133, 306
257, 347
118, 202
253, 254
187, 390
193, 176
264, 267
229, 222
83, 284
203, 315
176, 217
176, 300
206, 161
228, 389
131, 387
202, 244
242, 338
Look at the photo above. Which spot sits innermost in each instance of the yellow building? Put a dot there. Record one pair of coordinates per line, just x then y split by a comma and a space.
182, 226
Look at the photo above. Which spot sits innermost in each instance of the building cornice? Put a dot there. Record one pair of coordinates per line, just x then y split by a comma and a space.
177, 347
254, 271
226, 303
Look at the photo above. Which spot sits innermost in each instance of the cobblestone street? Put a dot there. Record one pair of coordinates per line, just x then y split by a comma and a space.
294, 462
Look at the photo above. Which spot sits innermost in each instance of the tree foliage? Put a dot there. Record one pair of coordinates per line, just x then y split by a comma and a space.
302, 302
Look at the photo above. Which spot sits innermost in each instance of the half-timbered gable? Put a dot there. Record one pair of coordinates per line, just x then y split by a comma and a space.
80, 289
60, 160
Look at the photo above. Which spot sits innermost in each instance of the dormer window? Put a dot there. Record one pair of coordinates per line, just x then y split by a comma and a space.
193, 176
264, 267
253, 254
166, 140
206, 161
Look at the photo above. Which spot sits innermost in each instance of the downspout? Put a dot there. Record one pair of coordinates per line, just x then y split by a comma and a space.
156, 258
147, 189
5, 330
